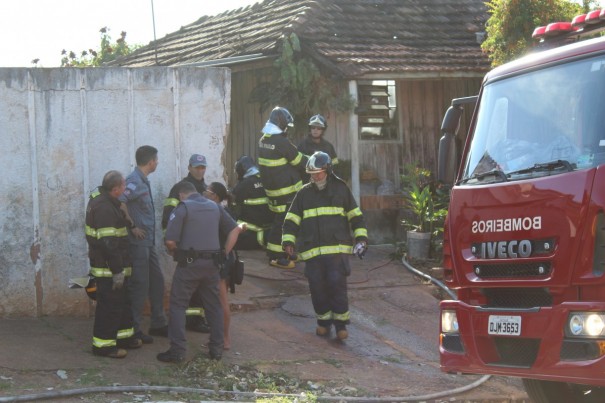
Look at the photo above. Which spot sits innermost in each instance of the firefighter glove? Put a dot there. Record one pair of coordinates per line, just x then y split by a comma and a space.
360, 249
118, 281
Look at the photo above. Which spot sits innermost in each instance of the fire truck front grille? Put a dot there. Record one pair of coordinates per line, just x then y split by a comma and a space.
516, 352
517, 297
519, 270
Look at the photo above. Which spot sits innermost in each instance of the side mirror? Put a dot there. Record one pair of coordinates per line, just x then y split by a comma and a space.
447, 158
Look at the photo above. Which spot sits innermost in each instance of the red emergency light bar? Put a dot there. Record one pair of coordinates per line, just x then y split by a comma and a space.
539, 32
579, 21
553, 29
581, 25
557, 28
593, 17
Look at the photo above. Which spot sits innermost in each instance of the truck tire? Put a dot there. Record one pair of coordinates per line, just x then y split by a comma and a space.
560, 392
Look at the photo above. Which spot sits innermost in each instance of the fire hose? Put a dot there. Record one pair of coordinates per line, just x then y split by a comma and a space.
178, 389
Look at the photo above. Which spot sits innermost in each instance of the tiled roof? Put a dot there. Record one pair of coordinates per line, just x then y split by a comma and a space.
355, 37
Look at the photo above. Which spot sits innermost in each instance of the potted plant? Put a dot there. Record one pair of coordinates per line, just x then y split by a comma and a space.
425, 210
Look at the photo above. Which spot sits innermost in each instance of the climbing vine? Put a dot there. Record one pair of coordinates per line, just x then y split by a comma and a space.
300, 86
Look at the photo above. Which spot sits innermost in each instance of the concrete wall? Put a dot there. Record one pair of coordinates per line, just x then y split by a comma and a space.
60, 131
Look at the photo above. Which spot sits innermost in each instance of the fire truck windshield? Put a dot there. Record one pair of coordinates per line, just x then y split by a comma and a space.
544, 122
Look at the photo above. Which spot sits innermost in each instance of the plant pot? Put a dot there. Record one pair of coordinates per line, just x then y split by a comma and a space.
419, 244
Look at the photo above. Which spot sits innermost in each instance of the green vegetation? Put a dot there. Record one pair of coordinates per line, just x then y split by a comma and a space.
299, 85
107, 51
512, 22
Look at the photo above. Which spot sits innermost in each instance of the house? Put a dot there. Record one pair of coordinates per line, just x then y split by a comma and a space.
401, 60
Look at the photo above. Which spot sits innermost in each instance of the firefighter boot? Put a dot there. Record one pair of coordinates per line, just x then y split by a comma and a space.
322, 331
341, 332
282, 263
110, 352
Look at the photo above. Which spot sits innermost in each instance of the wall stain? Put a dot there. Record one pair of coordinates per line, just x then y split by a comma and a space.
34, 252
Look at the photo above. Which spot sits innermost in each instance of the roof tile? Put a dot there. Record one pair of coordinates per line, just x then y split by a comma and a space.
356, 36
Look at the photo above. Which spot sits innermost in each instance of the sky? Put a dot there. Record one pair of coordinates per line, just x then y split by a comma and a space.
41, 29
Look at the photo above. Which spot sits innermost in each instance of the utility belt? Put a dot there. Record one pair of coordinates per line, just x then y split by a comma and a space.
185, 257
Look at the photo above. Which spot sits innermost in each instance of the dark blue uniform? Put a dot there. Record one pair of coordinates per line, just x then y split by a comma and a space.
195, 225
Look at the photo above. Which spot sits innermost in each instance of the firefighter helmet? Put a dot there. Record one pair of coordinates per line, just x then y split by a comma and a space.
318, 121
319, 162
243, 164
281, 118
91, 288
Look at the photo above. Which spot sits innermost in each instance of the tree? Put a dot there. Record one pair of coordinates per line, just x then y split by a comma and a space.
107, 52
512, 22
300, 86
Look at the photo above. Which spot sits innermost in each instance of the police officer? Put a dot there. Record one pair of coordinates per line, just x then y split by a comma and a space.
108, 252
315, 140
196, 319
197, 170
251, 205
322, 215
192, 238
147, 280
281, 168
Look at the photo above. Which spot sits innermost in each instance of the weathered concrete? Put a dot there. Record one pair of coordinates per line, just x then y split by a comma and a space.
62, 129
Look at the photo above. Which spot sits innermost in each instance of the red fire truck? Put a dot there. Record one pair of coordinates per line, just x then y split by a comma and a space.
524, 240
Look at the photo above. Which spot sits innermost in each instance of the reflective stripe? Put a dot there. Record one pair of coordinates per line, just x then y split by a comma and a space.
288, 238
125, 333
324, 316
171, 201
297, 160
278, 209
334, 161
316, 212
274, 248
194, 311
100, 343
272, 163
107, 231
360, 232
284, 191
354, 213
106, 272
326, 250
295, 218
95, 193
342, 316
256, 202
260, 238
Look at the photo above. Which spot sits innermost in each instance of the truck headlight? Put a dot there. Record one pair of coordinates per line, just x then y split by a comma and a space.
449, 322
585, 324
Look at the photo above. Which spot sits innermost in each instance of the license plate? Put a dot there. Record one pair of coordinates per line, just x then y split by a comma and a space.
504, 325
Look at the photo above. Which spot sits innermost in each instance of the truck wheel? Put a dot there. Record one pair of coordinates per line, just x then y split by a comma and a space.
560, 392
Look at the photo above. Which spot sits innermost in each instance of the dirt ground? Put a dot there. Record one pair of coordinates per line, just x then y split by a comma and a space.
391, 353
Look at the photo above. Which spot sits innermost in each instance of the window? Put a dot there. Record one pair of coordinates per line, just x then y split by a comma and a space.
377, 110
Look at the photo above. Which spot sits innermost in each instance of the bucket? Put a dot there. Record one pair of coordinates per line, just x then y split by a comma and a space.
419, 244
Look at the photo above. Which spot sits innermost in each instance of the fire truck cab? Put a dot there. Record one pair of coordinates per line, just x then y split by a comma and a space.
524, 239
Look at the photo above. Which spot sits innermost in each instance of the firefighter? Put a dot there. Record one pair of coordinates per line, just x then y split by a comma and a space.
281, 169
322, 215
315, 140
251, 205
196, 319
108, 252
